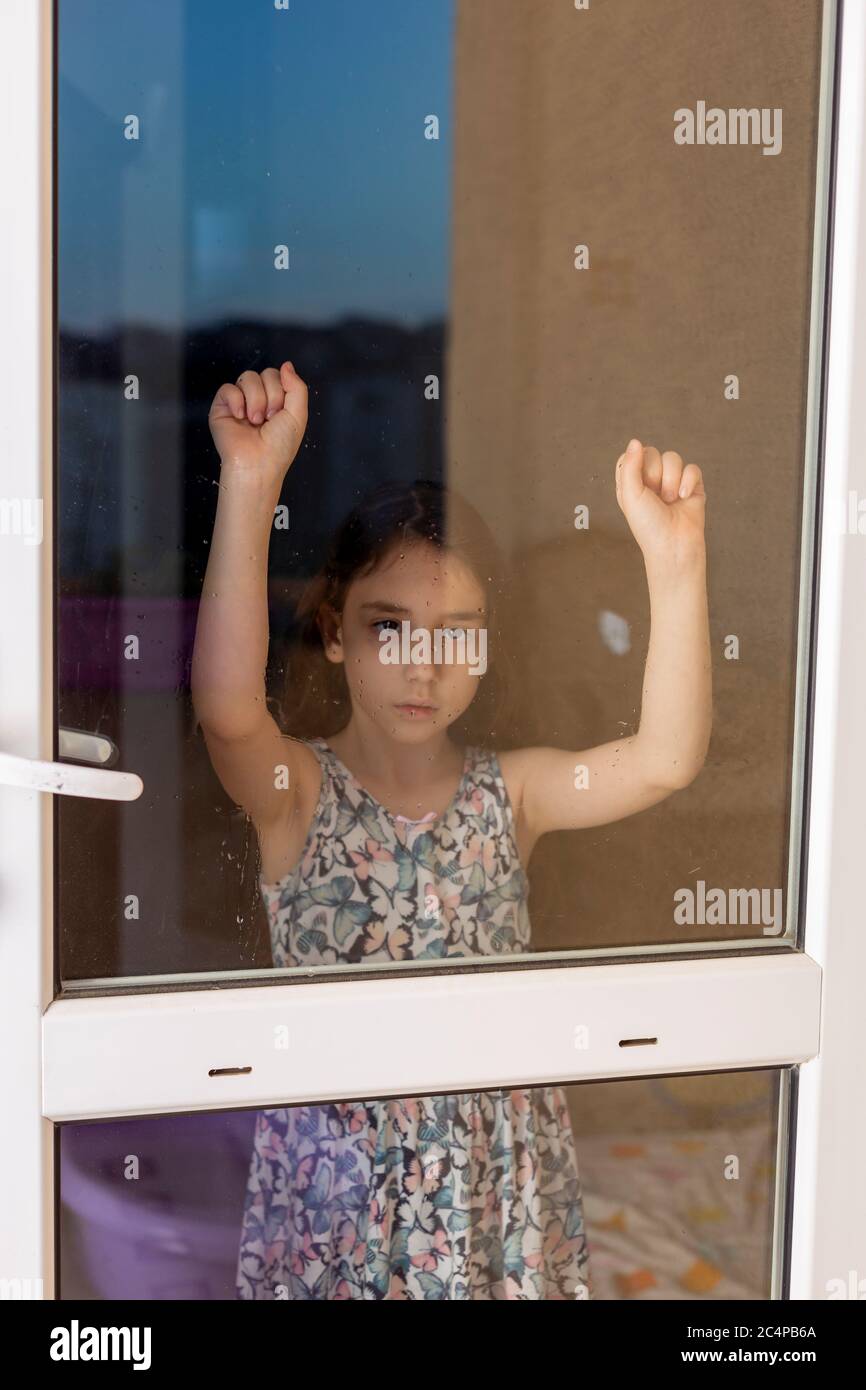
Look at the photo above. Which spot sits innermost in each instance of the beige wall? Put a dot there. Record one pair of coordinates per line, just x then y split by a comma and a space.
700, 267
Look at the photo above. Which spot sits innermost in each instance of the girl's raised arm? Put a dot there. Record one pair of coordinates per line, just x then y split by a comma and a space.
664, 504
257, 426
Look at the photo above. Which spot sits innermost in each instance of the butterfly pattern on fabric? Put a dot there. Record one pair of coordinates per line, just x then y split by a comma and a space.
446, 1197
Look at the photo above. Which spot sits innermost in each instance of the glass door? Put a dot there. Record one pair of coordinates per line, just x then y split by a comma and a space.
478, 969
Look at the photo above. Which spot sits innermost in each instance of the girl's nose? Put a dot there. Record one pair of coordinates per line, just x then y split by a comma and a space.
422, 670
421, 675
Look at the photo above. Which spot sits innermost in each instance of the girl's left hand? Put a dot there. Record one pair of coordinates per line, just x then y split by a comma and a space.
663, 501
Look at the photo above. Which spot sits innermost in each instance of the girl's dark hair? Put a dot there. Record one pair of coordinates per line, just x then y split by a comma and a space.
316, 696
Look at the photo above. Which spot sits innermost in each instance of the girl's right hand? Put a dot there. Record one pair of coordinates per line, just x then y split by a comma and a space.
258, 424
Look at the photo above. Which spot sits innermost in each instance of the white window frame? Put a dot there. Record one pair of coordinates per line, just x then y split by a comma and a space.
154, 1049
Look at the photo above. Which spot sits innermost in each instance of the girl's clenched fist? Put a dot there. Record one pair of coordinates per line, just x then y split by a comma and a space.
664, 502
258, 424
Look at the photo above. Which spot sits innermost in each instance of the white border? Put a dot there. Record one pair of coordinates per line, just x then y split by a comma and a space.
829, 1226
26, 874
692, 1005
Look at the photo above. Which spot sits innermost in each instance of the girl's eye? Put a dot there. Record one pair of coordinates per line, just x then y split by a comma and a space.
382, 622
454, 631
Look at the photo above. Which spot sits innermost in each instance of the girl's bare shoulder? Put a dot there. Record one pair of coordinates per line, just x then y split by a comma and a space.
302, 774
514, 764
308, 768
304, 748
281, 843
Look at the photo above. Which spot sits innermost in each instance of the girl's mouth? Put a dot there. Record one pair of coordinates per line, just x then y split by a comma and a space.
417, 711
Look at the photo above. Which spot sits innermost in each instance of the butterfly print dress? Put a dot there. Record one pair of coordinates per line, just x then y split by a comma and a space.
445, 1197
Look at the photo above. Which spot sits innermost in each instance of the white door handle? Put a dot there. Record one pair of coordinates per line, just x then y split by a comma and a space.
67, 779
84, 747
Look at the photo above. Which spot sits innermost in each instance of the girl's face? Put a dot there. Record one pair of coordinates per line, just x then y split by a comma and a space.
418, 585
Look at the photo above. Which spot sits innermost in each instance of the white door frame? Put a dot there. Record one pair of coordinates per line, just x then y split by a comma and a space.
26, 606
154, 1050
829, 1201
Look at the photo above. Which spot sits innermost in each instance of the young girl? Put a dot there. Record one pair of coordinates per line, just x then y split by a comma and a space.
387, 841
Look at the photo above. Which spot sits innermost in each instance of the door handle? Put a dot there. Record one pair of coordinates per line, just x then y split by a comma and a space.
68, 779
84, 747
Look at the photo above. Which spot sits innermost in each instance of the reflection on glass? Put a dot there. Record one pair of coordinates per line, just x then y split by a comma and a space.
390, 840
652, 1189
430, 219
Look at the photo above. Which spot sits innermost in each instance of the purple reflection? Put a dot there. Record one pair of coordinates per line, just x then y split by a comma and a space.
151, 1208
92, 634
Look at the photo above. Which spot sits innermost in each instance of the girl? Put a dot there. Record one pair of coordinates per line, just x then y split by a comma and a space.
387, 842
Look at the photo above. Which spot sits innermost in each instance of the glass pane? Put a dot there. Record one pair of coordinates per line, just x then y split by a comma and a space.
661, 1188
488, 276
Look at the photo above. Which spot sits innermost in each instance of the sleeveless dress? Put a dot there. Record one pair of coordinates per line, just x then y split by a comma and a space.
448, 1197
